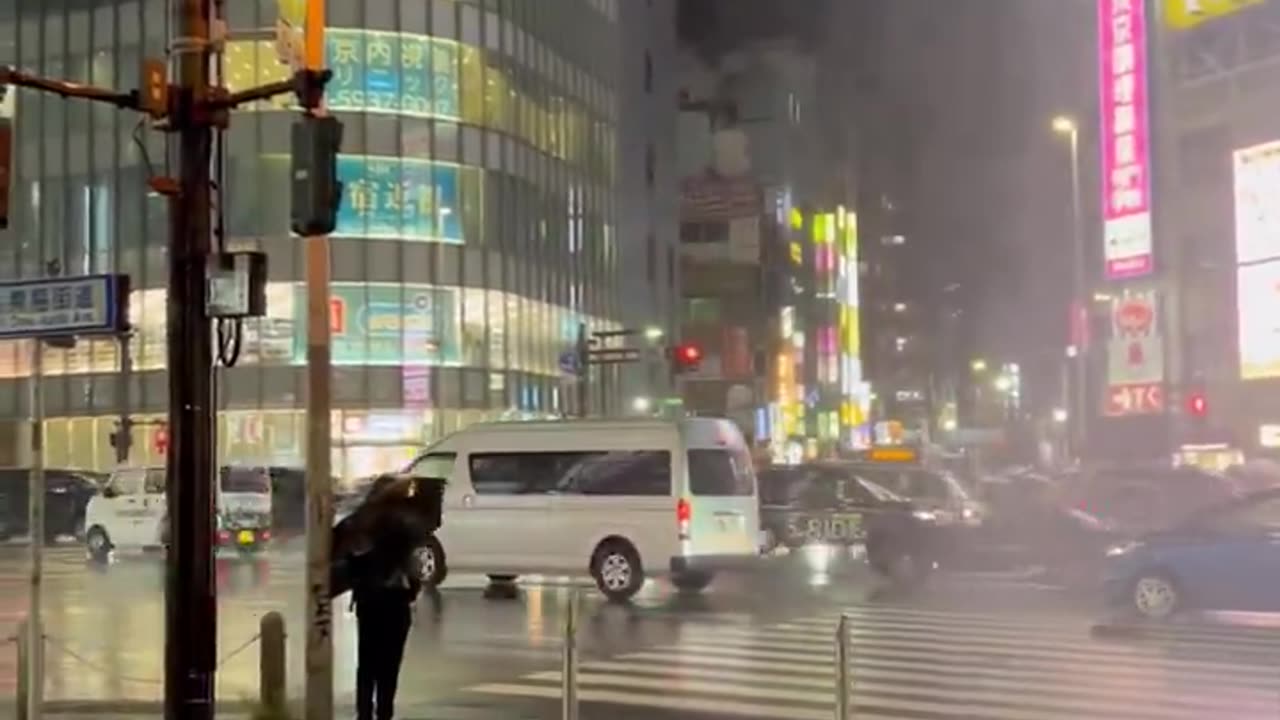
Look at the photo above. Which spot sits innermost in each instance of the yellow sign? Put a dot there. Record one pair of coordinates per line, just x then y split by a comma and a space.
293, 12
892, 455
1186, 14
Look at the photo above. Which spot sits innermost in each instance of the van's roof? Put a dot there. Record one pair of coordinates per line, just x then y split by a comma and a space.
630, 424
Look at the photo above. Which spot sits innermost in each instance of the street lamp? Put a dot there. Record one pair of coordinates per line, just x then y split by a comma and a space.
978, 365
1060, 415
653, 333
1064, 125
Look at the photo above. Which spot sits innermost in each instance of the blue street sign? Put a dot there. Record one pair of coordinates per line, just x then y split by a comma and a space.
83, 305
569, 364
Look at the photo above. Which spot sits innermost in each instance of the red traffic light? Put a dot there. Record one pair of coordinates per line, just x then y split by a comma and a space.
1197, 404
687, 356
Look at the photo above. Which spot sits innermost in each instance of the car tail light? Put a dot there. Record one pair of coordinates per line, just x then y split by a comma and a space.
684, 513
224, 537
265, 535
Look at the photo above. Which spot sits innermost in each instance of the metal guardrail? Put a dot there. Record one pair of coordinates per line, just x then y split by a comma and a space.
270, 639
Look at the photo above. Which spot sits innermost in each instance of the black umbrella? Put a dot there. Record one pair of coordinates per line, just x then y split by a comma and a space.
394, 520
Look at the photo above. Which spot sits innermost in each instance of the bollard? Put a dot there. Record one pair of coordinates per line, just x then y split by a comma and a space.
23, 677
271, 662
842, 668
569, 671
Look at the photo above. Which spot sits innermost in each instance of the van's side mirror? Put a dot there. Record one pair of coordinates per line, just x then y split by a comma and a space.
109, 492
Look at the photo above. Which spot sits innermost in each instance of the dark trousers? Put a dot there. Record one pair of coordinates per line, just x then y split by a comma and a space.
383, 619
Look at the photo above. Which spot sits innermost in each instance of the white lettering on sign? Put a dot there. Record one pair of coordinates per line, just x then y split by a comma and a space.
71, 306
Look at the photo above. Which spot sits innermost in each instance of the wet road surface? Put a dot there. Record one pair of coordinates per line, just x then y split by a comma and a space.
752, 647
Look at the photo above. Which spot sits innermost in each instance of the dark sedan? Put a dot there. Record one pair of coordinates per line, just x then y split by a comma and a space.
67, 493
828, 504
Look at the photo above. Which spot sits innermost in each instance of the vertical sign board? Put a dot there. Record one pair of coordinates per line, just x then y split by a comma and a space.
1135, 355
1126, 157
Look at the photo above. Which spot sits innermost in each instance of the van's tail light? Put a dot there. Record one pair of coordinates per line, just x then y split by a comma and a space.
264, 534
224, 537
684, 513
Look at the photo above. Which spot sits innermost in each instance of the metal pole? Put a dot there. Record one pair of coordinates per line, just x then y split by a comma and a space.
583, 350
1079, 407
191, 599
569, 669
842, 668
319, 644
35, 503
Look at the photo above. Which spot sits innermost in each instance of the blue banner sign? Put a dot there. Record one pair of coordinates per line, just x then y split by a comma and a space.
398, 199
84, 305
394, 73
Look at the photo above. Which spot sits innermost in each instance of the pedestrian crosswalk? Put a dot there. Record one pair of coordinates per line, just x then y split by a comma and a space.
916, 664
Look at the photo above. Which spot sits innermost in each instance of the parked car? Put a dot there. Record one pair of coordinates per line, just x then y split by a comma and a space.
830, 504
67, 493
1223, 558
1145, 499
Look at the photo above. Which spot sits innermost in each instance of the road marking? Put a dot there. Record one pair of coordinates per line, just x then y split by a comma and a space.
907, 663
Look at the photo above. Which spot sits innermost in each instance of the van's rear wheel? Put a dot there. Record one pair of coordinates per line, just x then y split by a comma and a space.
692, 582
98, 544
615, 566
431, 561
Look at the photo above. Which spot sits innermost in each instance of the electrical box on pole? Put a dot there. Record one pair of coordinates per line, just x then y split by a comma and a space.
315, 190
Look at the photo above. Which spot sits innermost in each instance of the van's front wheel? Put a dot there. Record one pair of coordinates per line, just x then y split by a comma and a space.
615, 566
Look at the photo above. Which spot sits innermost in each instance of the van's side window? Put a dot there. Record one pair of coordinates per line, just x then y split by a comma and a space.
155, 481
618, 472
621, 472
434, 465
720, 473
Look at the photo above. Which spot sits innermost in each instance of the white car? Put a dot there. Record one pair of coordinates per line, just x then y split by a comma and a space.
620, 500
131, 512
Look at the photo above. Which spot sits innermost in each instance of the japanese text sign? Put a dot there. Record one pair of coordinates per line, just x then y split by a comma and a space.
394, 73
399, 198
1126, 157
85, 305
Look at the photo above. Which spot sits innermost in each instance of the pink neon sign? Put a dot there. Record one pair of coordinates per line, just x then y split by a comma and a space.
1126, 157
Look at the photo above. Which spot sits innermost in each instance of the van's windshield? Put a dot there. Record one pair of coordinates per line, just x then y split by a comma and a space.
720, 473
244, 480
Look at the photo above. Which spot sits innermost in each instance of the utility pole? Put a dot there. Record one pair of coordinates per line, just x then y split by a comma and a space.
191, 615
319, 615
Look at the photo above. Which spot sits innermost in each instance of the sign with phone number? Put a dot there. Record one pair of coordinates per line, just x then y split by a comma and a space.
825, 528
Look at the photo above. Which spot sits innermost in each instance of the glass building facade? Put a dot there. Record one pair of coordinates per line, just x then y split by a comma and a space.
477, 227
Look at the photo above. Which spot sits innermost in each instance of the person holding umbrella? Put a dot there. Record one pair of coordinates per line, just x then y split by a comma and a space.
378, 544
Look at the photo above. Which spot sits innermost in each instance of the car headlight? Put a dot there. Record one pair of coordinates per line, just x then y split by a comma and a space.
1124, 549
924, 515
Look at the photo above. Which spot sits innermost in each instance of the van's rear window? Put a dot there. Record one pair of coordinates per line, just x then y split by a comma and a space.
245, 480
720, 473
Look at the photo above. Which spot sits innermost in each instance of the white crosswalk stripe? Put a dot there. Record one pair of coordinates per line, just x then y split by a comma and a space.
911, 664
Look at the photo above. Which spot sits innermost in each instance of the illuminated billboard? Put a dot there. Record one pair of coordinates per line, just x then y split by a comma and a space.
1257, 241
1257, 297
1126, 157
399, 199
1186, 14
1257, 203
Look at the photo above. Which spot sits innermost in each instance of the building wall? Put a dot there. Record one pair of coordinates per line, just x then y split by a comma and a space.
479, 224
648, 180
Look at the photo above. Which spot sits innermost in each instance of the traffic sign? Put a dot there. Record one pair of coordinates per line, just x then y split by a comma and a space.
1139, 399
83, 305
570, 363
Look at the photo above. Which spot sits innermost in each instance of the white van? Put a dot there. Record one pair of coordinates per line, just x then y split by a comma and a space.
622, 500
131, 512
